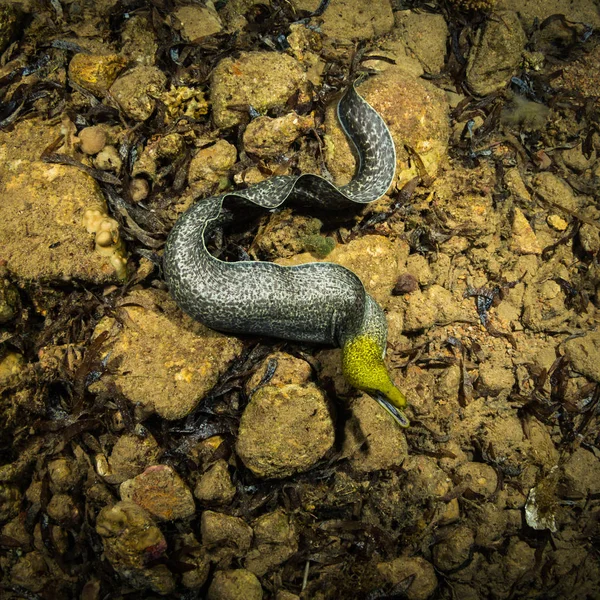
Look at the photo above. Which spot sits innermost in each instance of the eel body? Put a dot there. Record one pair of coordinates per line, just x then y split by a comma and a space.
322, 302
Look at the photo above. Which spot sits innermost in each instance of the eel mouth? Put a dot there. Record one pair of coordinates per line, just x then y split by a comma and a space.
397, 413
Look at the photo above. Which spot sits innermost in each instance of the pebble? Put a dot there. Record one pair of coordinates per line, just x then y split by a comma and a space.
523, 240
215, 485
416, 571
161, 491
237, 584
557, 223
92, 139
96, 72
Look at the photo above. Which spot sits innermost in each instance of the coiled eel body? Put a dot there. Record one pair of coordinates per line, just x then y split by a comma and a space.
323, 302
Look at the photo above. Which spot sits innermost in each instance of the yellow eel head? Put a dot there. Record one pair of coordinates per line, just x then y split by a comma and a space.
365, 370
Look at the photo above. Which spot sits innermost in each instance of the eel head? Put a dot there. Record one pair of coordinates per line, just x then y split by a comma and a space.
365, 370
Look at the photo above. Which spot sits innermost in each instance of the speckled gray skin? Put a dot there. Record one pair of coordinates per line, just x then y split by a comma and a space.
316, 302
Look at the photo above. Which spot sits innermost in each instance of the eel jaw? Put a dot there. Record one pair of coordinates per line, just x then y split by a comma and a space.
396, 412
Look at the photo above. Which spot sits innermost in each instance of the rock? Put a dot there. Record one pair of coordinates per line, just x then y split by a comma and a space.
30, 572
215, 485
138, 40
583, 11
416, 113
64, 511
286, 233
373, 258
131, 455
496, 377
262, 80
209, 168
285, 595
420, 573
284, 430
92, 139
425, 481
405, 284
473, 209
523, 240
436, 305
496, 53
352, 19
454, 549
12, 366
10, 500
581, 475
52, 214
288, 370
224, 537
9, 24
136, 90
520, 559
64, 474
139, 188
557, 222
576, 160
108, 159
167, 362
583, 355
275, 541
95, 72
195, 555
184, 101
385, 446
267, 137
516, 186
544, 307
131, 540
418, 266
555, 190
426, 35
17, 530
197, 22
589, 235
160, 491
9, 298
478, 477
237, 584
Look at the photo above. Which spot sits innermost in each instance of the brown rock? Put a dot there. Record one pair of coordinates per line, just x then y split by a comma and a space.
269, 137
284, 430
197, 22
352, 19
454, 549
94, 72
478, 477
174, 360
583, 354
386, 445
262, 80
130, 455
161, 491
136, 90
224, 537
496, 54
275, 540
131, 540
215, 485
523, 239
237, 584
424, 580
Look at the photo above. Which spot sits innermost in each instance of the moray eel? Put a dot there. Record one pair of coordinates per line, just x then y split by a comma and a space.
322, 303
